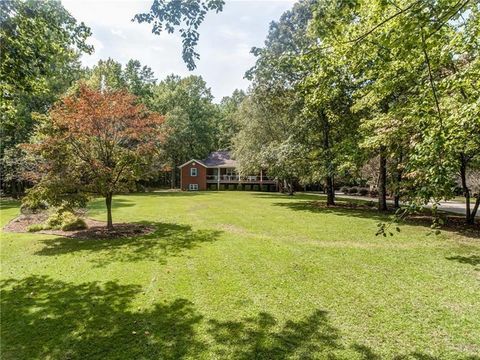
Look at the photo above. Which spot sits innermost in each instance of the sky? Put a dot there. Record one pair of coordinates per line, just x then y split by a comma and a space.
224, 46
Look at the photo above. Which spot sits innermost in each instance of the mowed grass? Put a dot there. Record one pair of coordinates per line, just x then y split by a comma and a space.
238, 275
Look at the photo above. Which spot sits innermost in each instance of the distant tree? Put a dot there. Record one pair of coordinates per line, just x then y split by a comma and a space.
111, 75
93, 143
190, 125
107, 74
227, 126
140, 79
186, 15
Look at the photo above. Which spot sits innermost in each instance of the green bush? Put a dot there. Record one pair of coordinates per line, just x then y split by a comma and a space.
36, 227
344, 190
31, 207
54, 221
77, 224
353, 190
363, 192
65, 220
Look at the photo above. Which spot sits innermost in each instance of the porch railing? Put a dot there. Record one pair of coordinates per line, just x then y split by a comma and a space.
248, 178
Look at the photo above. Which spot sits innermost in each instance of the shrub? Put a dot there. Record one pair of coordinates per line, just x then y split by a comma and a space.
31, 207
363, 192
373, 193
344, 190
36, 227
76, 224
353, 190
54, 221
65, 220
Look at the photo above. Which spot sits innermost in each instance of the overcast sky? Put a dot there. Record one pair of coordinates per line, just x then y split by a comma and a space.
225, 39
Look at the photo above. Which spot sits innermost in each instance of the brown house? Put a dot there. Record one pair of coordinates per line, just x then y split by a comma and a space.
219, 172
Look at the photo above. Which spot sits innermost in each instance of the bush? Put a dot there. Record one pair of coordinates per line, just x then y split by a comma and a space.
77, 224
65, 220
31, 207
344, 190
36, 227
363, 192
353, 190
373, 193
54, 221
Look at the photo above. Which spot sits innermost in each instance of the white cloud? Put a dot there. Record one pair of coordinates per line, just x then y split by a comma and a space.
224, 45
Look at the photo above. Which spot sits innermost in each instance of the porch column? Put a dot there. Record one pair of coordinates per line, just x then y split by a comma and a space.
218, 178
261, 176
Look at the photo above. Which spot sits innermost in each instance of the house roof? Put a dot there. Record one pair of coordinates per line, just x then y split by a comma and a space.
220, 159
193, 160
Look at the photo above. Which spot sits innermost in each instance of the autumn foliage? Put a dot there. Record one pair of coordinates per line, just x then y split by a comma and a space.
96, 143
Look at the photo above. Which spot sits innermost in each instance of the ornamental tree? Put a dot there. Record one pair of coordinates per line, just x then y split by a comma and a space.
92, 143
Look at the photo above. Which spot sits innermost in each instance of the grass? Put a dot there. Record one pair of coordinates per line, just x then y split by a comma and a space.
235, 275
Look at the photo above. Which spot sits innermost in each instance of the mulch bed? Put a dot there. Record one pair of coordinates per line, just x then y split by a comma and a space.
96, 229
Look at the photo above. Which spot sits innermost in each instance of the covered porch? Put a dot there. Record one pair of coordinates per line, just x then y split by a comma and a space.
226, 175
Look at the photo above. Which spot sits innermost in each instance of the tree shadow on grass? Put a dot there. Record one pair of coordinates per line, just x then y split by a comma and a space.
260, 337
167, 240
47, 318
473, 260
42, 317
361, 209
9, 204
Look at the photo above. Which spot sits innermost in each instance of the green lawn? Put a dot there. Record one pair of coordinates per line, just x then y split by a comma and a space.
235, 275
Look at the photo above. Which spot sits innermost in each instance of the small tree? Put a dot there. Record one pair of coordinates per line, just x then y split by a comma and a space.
93, 143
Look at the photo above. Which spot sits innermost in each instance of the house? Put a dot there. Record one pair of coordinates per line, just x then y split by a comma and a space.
219, 172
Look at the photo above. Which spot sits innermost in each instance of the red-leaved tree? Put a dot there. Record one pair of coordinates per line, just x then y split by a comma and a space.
92, 143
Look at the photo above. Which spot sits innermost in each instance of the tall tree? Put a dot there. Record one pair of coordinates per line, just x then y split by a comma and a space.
191, 118
227, 126
40, 44
93, 143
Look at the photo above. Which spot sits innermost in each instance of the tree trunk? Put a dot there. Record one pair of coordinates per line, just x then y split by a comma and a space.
382, 182
465, 189
173, 178
398, 181
326, 148
330, 190
474, 211
108, 202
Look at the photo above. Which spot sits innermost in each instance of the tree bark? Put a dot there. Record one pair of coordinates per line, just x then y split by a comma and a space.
466, 191
398, 181
330, 190
173, 178
475, 209
108, 202
382, 182
326, 148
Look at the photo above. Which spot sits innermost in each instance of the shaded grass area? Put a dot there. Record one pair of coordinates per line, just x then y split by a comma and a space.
236, 275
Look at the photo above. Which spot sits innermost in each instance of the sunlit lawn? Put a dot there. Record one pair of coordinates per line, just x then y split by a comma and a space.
235, 275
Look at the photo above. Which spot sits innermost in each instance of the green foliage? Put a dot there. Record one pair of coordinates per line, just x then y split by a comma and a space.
40, 45
71, 222
185, 15
135, 78
64, 220
190, 125
36, 227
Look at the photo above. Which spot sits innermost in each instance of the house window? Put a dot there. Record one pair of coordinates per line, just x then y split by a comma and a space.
193, 171
193, 187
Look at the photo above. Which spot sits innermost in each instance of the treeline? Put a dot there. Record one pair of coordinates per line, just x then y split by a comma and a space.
41, 44
388, 93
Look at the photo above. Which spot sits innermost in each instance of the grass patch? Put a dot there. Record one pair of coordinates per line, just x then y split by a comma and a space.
238, 275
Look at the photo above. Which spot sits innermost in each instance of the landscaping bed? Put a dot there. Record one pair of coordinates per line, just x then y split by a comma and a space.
95, 229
